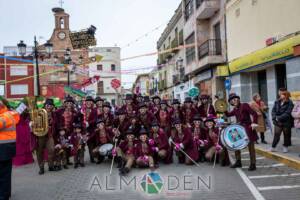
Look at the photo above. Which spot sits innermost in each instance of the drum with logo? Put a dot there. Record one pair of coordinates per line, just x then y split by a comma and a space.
106, 149
234, 137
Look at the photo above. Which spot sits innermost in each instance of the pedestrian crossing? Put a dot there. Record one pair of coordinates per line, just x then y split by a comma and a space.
270, 179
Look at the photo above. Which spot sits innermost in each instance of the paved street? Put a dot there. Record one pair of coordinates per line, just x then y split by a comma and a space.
90, 182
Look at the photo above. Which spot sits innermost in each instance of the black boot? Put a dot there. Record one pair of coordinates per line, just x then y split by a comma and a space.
252, 167
66, 167
42, 171
262, 137
76, 165
119, 162
237, 164
52, 169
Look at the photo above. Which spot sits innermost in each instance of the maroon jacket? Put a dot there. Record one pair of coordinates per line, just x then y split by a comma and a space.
123, 126
189, 147
140, 151
213, 139
128, 150
99, 140
130, 110
176, 114
108, 119
91, 119
164, 118
51, 123
76, 141
146, 120
205, 110
59, 120
243, 115
188, 114
161, 141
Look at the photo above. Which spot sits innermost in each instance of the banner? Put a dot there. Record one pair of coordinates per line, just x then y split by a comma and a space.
73, 91
276, 51
82, 39
90, 81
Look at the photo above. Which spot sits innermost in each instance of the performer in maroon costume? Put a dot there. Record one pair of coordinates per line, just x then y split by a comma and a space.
182, 137
243, 113
206, 108
188, 112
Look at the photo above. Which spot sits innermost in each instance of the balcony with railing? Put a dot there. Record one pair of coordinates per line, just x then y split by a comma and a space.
207, 8
210, 53
212, 47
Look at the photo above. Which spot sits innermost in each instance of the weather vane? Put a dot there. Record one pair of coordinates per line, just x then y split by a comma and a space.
61, 2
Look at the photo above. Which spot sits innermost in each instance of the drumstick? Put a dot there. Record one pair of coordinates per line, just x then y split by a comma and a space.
186, 154
220, 128
113, 159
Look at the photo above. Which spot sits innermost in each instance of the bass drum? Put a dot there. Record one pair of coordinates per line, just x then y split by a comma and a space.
234, 137
105, 149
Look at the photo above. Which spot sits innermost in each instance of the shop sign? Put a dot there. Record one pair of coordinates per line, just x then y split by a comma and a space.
203, 76
273, 52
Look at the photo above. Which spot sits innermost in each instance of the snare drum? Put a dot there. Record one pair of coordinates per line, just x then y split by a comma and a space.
234, 137
106, 149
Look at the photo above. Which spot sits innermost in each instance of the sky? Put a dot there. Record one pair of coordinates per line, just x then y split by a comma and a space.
118, 22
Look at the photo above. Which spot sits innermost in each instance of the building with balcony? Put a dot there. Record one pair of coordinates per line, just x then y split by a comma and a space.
170, 71
205, 40
108, 68
263, 56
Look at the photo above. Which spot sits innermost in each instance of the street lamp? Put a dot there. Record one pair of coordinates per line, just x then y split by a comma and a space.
22, 51
48, 47
22, 48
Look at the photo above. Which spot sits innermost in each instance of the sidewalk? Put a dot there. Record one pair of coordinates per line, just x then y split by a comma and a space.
290, 159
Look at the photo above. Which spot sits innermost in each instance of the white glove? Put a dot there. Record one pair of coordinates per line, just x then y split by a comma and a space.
170, 140
253, 126
86, 124
181, 146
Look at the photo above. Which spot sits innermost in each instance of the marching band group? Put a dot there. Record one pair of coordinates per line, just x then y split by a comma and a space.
141, 133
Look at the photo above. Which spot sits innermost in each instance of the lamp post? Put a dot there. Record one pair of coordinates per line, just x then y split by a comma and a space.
22, 51
68, 61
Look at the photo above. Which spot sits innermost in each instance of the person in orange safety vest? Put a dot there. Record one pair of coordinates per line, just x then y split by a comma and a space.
8, 122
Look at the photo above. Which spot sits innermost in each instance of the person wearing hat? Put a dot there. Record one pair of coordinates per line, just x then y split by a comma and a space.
199, 137
156, 104
214, 145
206, 108
143, 151
107, 115
125, 152
62, 147
145, 117
78, 140
65, 117
164, 117
246, 117
99, 105
8, 121
103, 136
129, 107
182, 140
176, 111
148, 103
121, 122
47, 142
158, 140
188, 112
89, 120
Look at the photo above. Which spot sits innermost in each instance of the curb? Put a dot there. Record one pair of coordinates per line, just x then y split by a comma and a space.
291, 162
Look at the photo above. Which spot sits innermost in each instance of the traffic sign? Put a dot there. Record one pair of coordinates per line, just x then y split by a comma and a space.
193, 92
227, 84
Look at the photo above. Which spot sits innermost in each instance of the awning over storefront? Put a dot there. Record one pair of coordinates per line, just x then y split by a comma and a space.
222, 70
276, 51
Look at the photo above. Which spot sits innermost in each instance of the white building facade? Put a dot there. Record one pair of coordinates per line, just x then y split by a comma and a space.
109, 68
